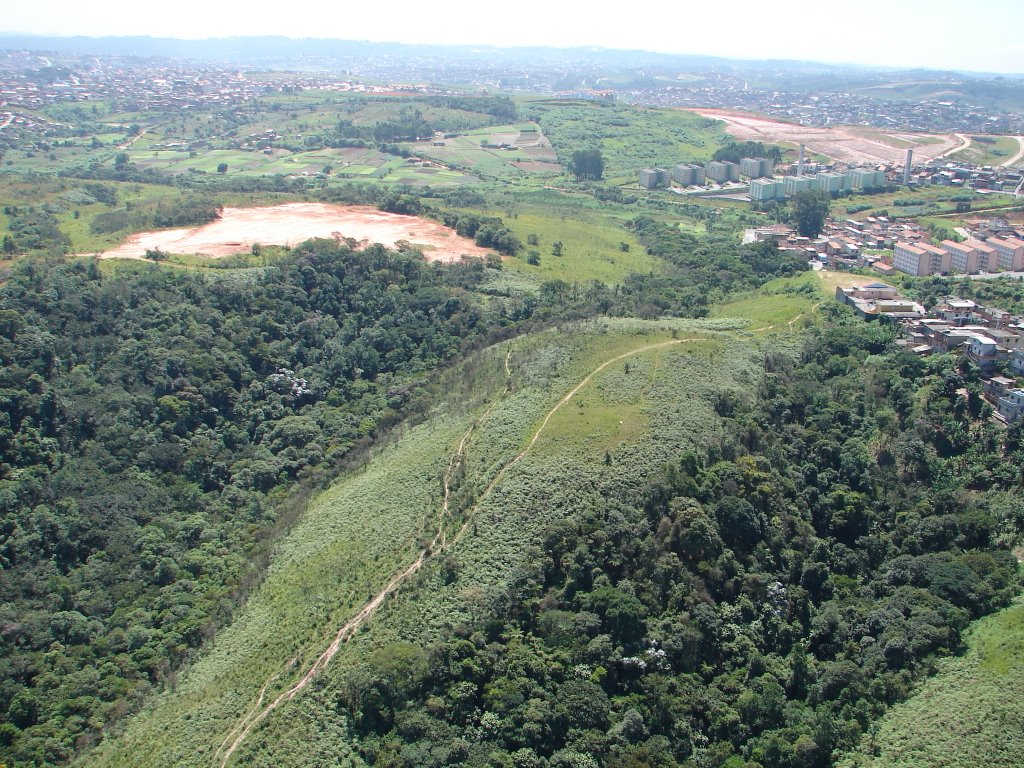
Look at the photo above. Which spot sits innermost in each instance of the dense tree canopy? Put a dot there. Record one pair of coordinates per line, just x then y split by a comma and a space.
150, 425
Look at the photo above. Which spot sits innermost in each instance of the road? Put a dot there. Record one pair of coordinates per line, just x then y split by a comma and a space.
965, 143
1016, 158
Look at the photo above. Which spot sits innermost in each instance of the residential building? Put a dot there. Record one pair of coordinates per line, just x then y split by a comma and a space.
1017, 361
722, 171
911, 259
649, 178
879, 301
988, 257
797, 184
767, 189
963, 257
830, 182
756, 167
1011, 405
938, 259
688, 174
864, 178
956, 312
1011, 252
984, 352
999, 386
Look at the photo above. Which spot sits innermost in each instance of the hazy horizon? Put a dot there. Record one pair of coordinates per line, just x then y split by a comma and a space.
908, 35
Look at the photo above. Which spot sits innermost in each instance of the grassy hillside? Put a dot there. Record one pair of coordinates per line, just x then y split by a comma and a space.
971, 713
630, 138
375, 520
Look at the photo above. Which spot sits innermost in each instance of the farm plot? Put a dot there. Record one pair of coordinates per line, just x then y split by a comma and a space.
502, 152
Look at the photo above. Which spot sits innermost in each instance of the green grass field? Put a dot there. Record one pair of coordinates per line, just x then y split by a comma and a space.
782, 305
970, 714
591, 247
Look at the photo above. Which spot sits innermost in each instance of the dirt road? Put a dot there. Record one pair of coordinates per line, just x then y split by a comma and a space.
1019, 156
965, 142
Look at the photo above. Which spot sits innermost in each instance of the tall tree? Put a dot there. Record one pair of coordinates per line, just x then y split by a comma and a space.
810, 209
587, 164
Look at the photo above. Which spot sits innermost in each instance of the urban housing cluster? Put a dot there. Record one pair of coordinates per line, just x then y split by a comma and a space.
991, 338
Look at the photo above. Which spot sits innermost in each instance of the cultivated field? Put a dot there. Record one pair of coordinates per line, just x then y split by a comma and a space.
850, 144
239, 229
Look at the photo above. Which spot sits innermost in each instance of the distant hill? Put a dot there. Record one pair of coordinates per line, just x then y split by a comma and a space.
297, 53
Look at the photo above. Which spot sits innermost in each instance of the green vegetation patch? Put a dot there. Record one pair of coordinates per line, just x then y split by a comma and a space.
971, 713
629, 138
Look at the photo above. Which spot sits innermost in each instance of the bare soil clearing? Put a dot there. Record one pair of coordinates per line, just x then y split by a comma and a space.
848, 144
239, 228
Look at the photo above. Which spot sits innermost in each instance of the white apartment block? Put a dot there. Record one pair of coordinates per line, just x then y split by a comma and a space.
911, 259
1011, 252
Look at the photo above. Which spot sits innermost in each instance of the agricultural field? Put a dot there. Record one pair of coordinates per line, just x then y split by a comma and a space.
924, 201
969, 714
511, 152
514, 461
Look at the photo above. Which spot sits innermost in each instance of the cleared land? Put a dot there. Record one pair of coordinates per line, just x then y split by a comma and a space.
239, 229
850, 144
511, 151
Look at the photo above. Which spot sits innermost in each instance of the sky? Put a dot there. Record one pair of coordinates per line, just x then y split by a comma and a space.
978, 35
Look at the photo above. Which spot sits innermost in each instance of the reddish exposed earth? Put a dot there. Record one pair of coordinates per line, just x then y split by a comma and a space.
239, 228
848, 144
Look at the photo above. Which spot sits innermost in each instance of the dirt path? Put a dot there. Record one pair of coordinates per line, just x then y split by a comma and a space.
1020, 153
